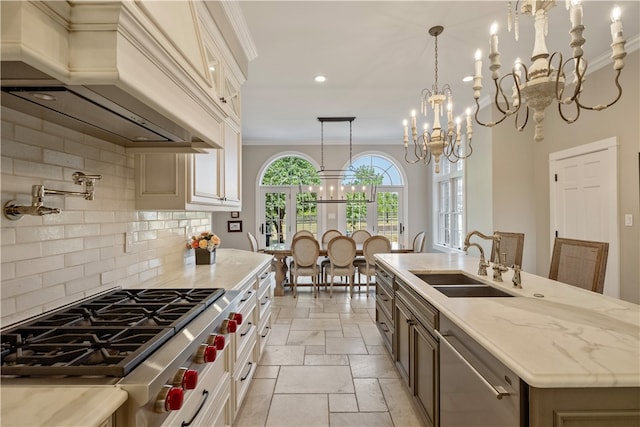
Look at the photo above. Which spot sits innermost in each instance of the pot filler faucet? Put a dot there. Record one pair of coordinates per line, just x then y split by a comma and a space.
14, 211
498, 267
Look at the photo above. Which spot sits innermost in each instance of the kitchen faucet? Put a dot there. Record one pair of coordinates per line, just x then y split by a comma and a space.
498, 267
14, 211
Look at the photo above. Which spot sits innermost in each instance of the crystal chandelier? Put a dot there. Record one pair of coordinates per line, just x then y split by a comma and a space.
546, 79
437, 142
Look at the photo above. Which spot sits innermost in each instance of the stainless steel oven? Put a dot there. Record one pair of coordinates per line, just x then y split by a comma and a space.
165, 347
476, 390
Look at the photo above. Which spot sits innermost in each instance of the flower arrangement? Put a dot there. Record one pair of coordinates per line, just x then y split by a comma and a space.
206, 240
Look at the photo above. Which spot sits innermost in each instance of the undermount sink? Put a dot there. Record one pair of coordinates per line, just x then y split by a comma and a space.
471, 291
459, 285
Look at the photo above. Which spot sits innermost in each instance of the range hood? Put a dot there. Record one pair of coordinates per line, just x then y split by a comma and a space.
132, 73
102, 111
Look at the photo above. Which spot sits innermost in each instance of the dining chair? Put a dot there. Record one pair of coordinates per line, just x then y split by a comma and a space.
511, 244
373, 245
580, 263
341, 251
324, 263
359, 236
418, 242
253, 242
302, 233
305, 251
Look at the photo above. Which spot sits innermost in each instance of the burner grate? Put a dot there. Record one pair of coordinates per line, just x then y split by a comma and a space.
105, 336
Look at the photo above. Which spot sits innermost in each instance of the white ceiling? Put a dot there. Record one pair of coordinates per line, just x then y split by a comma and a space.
378, 55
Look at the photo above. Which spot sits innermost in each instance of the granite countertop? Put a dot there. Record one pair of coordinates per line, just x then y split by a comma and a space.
552, 335
88, 406
49, 406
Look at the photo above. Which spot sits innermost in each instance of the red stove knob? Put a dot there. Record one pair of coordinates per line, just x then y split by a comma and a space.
186, 378
206, 353
232, 326
217, 340
169, 399
237, 317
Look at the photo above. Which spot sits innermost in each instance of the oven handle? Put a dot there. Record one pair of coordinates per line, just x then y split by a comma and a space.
498, 391
205, 394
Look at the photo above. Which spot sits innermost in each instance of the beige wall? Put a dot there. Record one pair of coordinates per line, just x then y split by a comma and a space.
53, 260
521, 171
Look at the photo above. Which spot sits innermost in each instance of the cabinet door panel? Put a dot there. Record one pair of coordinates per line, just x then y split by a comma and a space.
206, 183
425, 367
232, 162
403, 344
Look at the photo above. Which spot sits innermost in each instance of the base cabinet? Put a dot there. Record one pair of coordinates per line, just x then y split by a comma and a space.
416, 353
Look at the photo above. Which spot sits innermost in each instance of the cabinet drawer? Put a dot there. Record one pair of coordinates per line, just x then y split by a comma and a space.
264, 330
424, 312
384, 299
246, 333
243, 376
384, 277
386, 328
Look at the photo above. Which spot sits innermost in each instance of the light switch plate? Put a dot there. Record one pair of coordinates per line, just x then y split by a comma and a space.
628, 220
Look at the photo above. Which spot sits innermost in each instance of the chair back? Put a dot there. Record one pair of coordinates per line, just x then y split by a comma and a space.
302, 233
305, 251
375, 245
253, 242
341, 251
328, 235
511, 244
581, 263
359, 236
418, 242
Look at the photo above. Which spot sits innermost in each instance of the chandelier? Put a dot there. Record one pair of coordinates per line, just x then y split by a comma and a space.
546, 79
350, 185
438, 141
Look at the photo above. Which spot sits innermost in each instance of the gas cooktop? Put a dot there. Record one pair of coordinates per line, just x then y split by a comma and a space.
108, 335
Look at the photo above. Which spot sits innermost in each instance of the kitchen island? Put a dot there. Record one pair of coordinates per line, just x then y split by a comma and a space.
577, 352
41, 402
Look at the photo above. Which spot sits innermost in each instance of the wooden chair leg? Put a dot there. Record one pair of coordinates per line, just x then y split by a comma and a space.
294, 283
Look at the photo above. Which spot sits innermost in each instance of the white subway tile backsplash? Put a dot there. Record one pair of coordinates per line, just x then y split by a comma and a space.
39, 265
57, 259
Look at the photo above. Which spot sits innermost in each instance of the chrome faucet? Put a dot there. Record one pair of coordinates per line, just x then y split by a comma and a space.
482, 267
517, 281
498, 267
14, 211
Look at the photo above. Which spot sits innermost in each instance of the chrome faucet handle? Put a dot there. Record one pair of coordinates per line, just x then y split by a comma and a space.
499, 268
517, 281
482, 267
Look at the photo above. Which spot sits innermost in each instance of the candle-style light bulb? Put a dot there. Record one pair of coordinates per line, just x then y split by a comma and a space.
616, 23
478, 63
413, 119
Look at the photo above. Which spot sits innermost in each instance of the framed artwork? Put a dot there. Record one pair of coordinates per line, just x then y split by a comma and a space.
235, 214
234, 226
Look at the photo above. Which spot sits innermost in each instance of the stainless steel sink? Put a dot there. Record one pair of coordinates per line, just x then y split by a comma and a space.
446, 279
459, 285
472, 291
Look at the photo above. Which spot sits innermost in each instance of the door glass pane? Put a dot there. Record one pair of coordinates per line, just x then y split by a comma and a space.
307, 212
275, 221
388, 224
356, 212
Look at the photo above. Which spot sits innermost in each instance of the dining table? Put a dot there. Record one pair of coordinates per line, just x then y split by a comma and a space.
282, 251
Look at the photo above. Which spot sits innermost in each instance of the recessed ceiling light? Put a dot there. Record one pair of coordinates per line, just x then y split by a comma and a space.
320, 78
467, 79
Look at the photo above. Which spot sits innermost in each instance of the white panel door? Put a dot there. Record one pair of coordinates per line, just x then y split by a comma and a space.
584, 202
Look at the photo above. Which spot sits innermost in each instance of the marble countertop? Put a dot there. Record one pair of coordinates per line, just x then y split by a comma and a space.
36, 406
88, 406
552, 334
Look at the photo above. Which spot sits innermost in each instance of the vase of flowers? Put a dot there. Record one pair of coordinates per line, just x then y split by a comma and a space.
204, 245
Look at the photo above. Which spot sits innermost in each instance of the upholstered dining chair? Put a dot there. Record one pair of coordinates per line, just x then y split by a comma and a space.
341, 251
305, 251
324, 263
580, 263
253, 242
511, 244
302, 233
359, 236
418, 242
373, 245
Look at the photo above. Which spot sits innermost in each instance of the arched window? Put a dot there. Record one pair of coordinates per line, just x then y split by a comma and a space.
290, 188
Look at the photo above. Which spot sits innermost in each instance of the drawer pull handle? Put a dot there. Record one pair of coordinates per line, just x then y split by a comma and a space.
264, 276
266, 300
266, 333
205, 395
247, 296
248, 372
248, 329
385, 329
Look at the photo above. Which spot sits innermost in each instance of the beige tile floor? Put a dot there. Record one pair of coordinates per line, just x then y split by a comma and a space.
325, 365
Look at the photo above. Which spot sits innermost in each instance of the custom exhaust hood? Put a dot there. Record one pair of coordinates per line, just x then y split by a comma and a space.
131, 73
103, 111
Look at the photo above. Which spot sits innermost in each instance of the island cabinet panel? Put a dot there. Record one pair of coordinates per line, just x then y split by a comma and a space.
584, 407
416, 350
385, 307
